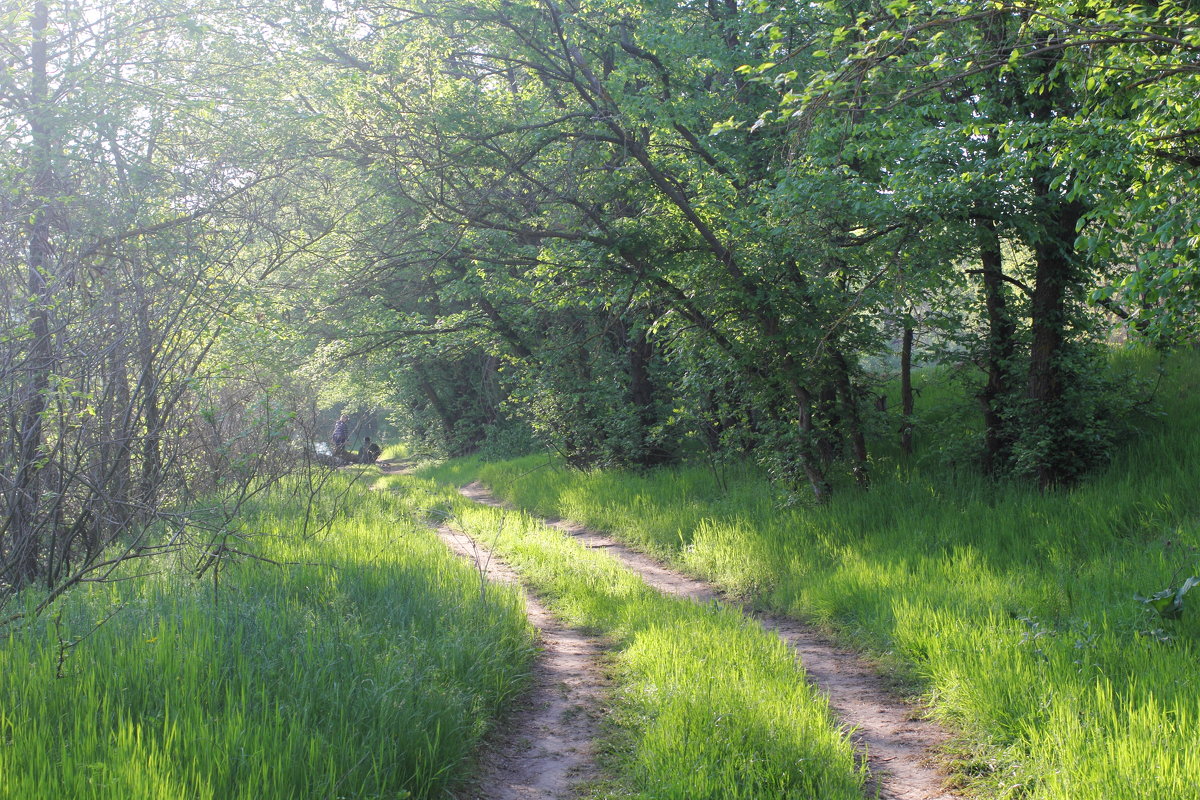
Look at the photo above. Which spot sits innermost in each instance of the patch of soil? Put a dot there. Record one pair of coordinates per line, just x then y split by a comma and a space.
898, 745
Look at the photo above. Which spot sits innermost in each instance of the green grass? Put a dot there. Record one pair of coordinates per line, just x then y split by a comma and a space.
706, 705
395, 452
1011, 611
368, 667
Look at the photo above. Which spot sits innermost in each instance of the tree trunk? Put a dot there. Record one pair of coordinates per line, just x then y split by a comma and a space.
489, 390
827, 443
148, 384
851, 418
821, 489
118, 434
23, 526
443, 413
1054, 253
906, 390
641, 396
998, 438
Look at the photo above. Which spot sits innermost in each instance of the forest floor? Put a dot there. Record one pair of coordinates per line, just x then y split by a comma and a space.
899, 747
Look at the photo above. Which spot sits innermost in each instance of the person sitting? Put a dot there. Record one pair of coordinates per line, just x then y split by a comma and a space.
370, 451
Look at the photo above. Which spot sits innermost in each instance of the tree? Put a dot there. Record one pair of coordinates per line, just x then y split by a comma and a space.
1007, 97
136, 213
559, 160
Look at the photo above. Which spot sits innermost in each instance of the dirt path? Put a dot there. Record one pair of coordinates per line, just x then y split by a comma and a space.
897, 744
544, 748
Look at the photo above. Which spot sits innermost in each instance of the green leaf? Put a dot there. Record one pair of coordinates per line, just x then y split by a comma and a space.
1169, 602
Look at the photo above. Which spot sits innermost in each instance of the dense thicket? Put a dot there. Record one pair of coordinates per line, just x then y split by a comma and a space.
138, 202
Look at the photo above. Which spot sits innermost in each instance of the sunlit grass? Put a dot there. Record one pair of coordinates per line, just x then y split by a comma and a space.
707, 706
395, 452
368, 666
1011, 610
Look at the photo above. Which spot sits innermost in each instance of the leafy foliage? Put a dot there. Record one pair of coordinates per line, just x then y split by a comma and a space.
1169, 602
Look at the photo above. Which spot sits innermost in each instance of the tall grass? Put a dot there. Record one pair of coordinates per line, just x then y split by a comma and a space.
365, 665
1012, 611
707, 706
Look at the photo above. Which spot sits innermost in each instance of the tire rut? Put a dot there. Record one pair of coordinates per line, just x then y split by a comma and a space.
897, 745
545, 747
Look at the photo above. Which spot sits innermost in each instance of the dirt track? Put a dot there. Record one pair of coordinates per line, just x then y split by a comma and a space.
897, 744
544, 748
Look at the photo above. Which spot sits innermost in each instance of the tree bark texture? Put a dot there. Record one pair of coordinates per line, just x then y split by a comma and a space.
906, 391
1056, 273
999, 348
21, 556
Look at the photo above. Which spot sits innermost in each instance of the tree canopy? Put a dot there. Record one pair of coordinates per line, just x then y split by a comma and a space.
626, 230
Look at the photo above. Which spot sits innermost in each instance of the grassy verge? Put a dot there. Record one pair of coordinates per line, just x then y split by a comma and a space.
368, 667
1011, 610
707, 706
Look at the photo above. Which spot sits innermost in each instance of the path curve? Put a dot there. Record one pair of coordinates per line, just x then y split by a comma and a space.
545, 747
898, 745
